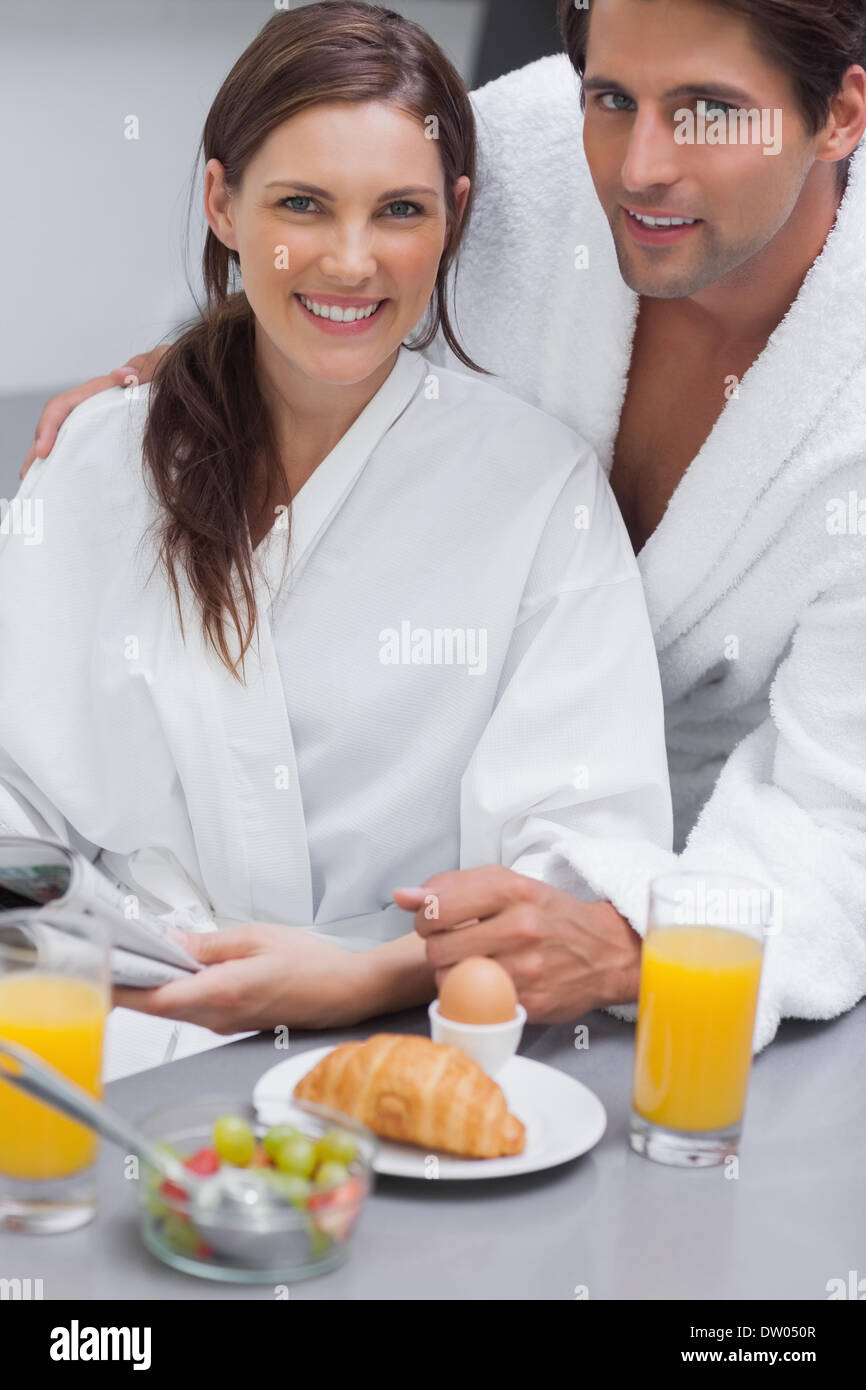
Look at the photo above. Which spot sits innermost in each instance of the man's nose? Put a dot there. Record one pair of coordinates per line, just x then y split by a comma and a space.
652, 160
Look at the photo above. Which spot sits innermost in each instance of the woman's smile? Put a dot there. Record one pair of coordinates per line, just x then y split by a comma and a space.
344, 317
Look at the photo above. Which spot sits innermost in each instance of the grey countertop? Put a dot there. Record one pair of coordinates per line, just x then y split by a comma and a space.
609, 1224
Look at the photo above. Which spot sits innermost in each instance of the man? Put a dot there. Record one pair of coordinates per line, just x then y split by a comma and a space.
690, 299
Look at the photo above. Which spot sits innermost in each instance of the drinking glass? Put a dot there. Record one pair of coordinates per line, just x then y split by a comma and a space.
700, 973
58, 1011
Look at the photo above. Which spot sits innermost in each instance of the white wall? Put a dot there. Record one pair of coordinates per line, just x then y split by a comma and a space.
91, 224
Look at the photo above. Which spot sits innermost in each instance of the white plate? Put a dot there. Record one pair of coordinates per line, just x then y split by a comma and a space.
563, 1119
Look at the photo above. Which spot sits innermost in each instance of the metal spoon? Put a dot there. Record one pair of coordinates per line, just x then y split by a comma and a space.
238, 1215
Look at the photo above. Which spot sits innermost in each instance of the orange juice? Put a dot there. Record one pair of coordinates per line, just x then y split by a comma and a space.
698, 995
61, 1019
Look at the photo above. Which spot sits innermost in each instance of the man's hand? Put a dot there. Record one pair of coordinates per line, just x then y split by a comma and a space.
259, 976
565, 956
57, 409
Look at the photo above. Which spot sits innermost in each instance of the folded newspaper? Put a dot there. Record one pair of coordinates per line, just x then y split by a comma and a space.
52, 897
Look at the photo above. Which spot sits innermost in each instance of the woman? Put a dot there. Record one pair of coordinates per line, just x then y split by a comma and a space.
328, 619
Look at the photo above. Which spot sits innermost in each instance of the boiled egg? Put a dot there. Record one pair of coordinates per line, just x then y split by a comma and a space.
478, 990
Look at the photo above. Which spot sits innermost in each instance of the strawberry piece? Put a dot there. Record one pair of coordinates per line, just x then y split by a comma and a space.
172, 1191
335, 1212
205, 1162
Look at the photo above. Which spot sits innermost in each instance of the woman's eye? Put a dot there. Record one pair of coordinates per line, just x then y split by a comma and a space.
717, 108
400, 209
619, 100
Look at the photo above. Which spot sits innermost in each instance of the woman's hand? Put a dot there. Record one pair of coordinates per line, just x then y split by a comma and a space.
260, 976
55, 412
565, 956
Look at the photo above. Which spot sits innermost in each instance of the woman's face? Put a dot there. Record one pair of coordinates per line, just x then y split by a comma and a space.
342, 208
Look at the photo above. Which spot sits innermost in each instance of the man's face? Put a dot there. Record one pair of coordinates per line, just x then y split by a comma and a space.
649, 62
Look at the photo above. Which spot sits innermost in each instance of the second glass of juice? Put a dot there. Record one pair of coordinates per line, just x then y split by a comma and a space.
700, 974
47, 1162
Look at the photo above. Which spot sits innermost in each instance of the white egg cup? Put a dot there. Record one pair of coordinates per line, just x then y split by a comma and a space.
491, 1045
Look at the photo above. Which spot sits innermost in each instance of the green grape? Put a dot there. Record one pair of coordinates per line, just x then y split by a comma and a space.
234, 1140
154, 1179
170, 1149
320, 1241
180, 1235
330, 1175
297, 1154
275, 1136
336, 1144
291, 1187
156, 1205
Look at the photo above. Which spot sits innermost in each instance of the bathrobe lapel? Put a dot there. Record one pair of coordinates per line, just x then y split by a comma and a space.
726, 507
323, 494
252, 844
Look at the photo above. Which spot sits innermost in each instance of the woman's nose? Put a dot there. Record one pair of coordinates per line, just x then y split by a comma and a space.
350, 256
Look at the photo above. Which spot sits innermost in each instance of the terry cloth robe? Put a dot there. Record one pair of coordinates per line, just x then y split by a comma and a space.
755, 578
450, 672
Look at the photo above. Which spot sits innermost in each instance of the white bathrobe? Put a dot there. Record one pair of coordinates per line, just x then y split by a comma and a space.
756, 576
458, 669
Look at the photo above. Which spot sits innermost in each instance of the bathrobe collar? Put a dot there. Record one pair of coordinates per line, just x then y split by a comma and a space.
325, 491
703, 540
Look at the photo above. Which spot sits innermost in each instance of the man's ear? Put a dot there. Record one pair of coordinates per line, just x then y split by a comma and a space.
846, 122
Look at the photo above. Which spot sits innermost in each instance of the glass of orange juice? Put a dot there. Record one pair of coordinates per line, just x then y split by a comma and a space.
700, 973
58, 1011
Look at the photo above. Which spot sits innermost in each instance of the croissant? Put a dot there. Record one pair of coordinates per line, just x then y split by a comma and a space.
416, 1091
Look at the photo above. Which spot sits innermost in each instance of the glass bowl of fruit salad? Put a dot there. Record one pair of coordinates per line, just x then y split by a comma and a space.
315, 1176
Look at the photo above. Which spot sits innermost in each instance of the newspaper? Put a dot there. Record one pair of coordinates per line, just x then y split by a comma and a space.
54, 902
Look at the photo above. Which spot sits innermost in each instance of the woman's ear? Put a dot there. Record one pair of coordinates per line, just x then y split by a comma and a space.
461, 194
218, 204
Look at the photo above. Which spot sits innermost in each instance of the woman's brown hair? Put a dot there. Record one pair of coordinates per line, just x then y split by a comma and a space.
209, 446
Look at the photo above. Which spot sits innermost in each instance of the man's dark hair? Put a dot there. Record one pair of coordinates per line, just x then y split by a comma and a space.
815, 41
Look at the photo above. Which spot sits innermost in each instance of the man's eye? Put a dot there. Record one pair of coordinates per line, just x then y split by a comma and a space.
717, 108
619, 101
296, 198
